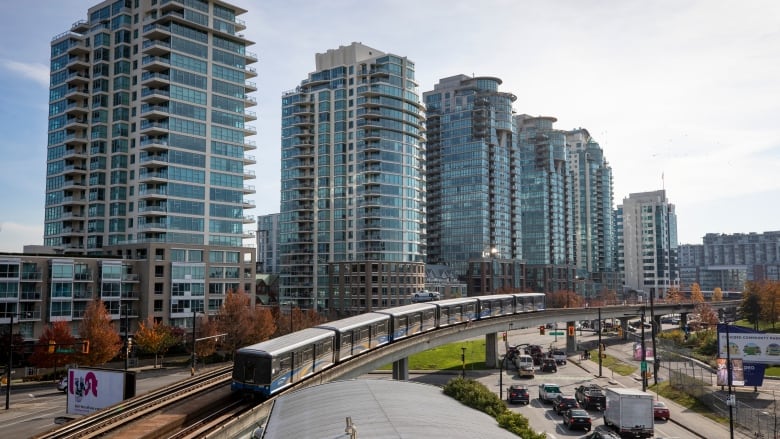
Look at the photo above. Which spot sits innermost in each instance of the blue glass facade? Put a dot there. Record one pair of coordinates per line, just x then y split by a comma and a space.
473, 208
353, 190
547, 199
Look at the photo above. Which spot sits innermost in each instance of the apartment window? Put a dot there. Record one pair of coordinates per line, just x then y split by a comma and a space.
159, 271
158, 305
158, 288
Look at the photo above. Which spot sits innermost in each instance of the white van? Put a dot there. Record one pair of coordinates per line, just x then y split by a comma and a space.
525, 365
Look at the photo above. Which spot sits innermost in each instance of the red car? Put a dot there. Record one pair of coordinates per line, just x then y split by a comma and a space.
660, 411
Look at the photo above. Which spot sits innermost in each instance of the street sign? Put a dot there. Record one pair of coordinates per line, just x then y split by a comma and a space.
64, 350
556, 333
643, 367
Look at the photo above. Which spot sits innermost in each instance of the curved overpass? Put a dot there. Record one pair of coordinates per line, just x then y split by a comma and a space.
397, 352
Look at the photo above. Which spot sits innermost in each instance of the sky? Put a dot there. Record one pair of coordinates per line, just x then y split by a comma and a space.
681, 95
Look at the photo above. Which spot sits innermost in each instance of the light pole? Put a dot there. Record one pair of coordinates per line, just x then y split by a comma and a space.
194, 315
127, 334
463, 361
644, 354
656, 362
501, 378
730, 401
600, 350
10, 360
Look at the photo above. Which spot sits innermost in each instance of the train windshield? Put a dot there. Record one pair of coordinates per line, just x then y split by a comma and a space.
252, 370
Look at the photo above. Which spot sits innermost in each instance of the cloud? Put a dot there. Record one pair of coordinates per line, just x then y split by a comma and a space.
35, 72
14, 236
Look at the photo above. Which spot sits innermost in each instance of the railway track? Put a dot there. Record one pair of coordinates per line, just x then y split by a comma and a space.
104, 422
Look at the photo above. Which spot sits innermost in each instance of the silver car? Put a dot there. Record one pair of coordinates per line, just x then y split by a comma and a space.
62, 385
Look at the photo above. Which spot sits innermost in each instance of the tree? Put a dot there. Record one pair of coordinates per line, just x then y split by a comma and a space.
234, 320
750, 308
206, 342
717, 294
155, 338
564, 299
263, 325
696, 294
104, 339
674, 295
55, 337
769, 293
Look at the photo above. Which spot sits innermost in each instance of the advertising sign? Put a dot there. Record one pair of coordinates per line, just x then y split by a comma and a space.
737, 372
649, 354
753, 347
90, 390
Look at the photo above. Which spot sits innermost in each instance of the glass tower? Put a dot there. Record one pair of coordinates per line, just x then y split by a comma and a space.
594, 233
147, 126
473, 173
146, 154
353, 189
548, 220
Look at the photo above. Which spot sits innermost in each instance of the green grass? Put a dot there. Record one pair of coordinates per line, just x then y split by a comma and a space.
447, 357
614, 364
686, 400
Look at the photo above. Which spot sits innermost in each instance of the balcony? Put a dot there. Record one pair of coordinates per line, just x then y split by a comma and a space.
154, 95
75, 109
249, 159
248, 204
249, 189
155, 79
160, 176
155, 63
156, 31
75, 140
149, 128
250, 86
76, 123
154, 144
156, 47
77, 93
151, 193
76, 79
159, 210
154, 111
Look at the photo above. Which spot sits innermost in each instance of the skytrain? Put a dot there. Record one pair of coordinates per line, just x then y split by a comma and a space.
266, 368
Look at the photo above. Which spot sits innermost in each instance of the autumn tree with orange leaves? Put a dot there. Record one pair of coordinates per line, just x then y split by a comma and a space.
55, 337
234, 319
564, 299
263, 325
156, 338
104, 339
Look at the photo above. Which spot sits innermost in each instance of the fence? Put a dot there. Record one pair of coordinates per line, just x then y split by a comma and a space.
755, 414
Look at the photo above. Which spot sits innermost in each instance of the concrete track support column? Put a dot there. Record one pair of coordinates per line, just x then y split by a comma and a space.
491, 349
624, 325
401, 369
571, 338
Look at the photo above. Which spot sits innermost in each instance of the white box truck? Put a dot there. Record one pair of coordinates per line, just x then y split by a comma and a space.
629, 412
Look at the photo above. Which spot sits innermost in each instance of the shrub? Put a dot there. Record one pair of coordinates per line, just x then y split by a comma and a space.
477, 396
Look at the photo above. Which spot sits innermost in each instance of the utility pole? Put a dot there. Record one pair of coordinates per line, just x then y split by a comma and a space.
600, 351
656, 361
644, 353
10, 364
192, 370
127, 335
463, 361
730, 401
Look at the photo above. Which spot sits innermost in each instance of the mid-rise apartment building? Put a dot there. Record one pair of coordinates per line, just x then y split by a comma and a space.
352, 216
647, 253
147, 151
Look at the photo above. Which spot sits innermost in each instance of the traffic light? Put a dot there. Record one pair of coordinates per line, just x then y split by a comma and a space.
85, 347
52, 346
571, 330
541, 329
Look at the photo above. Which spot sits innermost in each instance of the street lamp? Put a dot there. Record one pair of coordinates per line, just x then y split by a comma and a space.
730, 401
644, 354
194, 315
463, 361
600, 350
128, 342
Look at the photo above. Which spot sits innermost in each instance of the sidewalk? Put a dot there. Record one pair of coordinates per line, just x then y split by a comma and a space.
697, 425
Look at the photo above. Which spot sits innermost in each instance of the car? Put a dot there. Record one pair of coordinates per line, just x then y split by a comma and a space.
518, 394
602, 432
62, 385
660, 411
525, 365
548, 392
591, 396
563, 403
559, 355
577, 418
548, 365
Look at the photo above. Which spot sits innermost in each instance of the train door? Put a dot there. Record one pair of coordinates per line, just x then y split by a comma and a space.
346, 346
324, 355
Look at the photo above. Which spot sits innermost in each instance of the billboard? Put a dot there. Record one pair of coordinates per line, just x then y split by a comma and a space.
754, 347
737, 372
649, 353
90, 390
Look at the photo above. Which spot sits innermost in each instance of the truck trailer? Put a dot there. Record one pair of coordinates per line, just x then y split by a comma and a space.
629, 412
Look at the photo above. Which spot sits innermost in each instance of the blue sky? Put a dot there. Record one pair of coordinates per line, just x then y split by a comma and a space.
684, 89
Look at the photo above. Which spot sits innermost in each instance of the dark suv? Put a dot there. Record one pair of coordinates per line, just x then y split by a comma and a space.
563, 403
549, 365
517, 394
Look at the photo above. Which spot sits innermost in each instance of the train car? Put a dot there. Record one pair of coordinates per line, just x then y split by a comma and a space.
268, 367
409, 320
529, 302
454, 311
359, 333
496, 305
